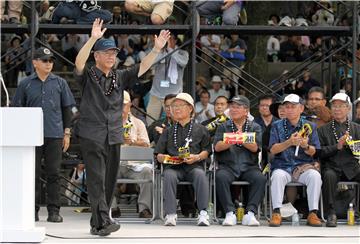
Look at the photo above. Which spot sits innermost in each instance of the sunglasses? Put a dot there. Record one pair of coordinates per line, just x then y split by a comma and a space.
47, 60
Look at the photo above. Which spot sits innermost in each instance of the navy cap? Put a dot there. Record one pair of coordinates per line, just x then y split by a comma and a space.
241, 100
105, 44
43, 53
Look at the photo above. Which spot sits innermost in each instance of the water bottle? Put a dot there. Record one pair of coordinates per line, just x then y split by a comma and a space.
240, 212
351, 215
295, 219
210, 211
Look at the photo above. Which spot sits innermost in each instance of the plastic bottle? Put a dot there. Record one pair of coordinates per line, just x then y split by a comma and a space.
210, 211
240, 212
295, 219
350, 215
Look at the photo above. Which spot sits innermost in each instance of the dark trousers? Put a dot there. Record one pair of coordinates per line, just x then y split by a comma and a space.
224, 179
101, 163
329, 187
199, 181
51, 152
73, 11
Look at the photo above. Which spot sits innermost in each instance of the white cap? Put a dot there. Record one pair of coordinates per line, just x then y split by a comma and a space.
216, 78
185, 97
126, 97
293, 98
341, 97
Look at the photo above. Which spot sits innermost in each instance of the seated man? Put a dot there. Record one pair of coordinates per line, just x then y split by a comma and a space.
220, 106
80, 12
157, 127
228, 9
293, 159
337, 160
135, 134
193, 137
158, 11
239, 162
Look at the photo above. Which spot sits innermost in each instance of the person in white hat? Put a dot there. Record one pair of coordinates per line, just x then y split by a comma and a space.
216, 90
285, 140
185, 133
338, 162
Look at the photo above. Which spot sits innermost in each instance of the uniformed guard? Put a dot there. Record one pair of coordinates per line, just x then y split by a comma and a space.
51, 93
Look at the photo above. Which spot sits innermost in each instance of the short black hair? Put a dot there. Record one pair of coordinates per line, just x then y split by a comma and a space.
266, 97
204, 92
169, 96
316, 89
227, 99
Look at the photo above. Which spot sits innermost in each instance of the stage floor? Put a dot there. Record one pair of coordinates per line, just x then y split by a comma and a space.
75, 229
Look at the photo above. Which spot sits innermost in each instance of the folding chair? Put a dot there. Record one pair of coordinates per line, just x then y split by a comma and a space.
234, 183
162, 195
138, 154
296, 184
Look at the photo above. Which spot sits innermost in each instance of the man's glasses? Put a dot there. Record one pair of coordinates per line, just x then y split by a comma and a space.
47, 60
110, 52
339, 106
176, 106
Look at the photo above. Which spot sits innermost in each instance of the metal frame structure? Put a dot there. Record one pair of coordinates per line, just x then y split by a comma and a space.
193, 29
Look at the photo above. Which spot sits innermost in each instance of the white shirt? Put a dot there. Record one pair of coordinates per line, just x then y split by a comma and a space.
199, 107
220, 92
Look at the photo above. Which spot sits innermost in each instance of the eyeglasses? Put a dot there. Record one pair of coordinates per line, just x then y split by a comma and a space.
110, 52
47, 61
176, 106
339, 106
315, 99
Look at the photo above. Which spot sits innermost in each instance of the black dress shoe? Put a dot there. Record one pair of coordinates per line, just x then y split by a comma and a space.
108, 228
55, 218
94, 231
331, 221
115, 212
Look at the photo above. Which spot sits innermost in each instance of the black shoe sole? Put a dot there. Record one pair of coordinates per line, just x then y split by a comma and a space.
108, 229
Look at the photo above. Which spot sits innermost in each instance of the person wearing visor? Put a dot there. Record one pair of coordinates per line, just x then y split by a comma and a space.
188, 144
337, 159
99, 127
239, 161
51, 93
293, 152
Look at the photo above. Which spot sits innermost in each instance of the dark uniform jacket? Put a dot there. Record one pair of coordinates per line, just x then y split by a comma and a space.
338, 160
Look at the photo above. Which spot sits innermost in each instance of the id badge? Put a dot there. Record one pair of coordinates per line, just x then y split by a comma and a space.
165, 83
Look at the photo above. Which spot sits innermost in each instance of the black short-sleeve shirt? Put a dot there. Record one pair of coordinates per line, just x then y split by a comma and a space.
101, 115
237, 159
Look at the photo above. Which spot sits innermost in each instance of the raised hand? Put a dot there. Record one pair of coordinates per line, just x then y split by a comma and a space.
161, 40
227, 4
96, 31
342, 141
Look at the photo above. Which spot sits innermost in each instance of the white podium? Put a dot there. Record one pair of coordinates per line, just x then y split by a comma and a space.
21, 129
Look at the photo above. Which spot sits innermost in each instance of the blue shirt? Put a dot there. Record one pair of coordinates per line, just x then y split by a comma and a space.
52, 96
286, 160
